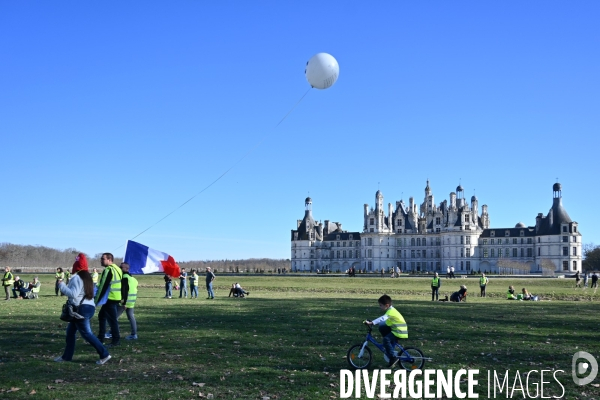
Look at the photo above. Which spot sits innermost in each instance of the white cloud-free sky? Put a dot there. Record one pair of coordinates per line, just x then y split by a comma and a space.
113, 114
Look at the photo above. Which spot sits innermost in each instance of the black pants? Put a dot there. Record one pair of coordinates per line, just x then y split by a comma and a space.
435, 292
108, 312
482, 290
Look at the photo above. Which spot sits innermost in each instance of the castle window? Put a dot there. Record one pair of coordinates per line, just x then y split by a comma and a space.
371, 230
574, 265
522, 233
372, 221
491, 241
437, 230
565, 251
491, 252
438, 220
369, 242
370, 253
466, 217
507, 252
507, 233
574, 251
350, 237
484, 241
338, 244
564, 228
343, 244
412, 241
515, 252
399, 222
574, 239
418, 241
462, 239
529, 240
574, 229
468, 239
337, 237
522, 252
468, 265
530, 252
565, 265
485, 253
565, 239
514, 240
492, 233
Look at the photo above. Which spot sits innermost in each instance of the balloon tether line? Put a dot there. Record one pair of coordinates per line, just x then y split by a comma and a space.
223, 174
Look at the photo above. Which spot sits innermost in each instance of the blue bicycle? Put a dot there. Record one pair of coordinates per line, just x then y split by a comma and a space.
360, 356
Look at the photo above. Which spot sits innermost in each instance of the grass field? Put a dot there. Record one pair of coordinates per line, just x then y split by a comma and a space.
289, 338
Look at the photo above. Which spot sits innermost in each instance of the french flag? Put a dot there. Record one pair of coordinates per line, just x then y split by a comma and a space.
144, 260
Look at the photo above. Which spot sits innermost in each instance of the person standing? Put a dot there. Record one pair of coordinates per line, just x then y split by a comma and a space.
436, 284
183, 284
210, 277
594, 280
452, 272
128, 297
7, 281
81, 293
193, 284
109, 288
577, 280
95, 278
60, 276
448, 272
483, 281
168, 286
585, 279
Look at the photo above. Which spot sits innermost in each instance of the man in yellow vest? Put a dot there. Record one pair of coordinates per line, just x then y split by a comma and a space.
392, 327
483, 281
7, 281
128, 297
436, 284
109, 297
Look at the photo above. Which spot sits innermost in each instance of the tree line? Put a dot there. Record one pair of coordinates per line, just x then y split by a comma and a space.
46, 259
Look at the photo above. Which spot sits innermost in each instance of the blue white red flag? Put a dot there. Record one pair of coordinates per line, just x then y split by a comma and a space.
144, 260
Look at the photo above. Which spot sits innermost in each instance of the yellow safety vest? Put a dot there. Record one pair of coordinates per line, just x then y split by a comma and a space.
60, 275
397, 323
114, 291
132, 294
95, 277
510, 295
482, 280
9, 279
435, 282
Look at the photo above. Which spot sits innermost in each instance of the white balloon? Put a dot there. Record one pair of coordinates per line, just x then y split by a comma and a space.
322, 70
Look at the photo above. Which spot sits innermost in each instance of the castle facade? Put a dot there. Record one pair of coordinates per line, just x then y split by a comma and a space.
430, 237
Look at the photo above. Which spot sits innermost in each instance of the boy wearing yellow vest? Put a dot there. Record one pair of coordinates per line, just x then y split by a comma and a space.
128, 297
392, 327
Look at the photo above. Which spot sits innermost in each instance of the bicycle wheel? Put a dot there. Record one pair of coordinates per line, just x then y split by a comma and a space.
411, 358
357, 361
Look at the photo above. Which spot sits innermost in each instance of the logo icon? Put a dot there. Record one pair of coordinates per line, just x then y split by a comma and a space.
579, 369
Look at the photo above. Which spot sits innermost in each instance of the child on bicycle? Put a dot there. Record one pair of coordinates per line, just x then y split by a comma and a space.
392, 327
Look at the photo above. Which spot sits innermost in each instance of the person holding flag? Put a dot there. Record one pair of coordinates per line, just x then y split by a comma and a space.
109, 296
128, 297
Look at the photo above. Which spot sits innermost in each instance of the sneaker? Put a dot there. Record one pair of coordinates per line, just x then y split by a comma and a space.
131, 337
247, 293
393, 362
59, 359
103, 361
107, 336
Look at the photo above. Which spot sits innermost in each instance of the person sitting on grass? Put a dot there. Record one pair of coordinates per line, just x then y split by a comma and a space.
459, 296
25, 291
510, 295
18, 286
240, 291
392, 327
525, 294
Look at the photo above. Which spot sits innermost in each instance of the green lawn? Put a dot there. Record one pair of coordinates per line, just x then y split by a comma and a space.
289, 338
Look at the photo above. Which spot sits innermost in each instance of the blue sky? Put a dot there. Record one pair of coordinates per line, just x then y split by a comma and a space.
112, 114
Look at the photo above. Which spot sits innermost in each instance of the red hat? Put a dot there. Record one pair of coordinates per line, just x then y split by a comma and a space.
80, 263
